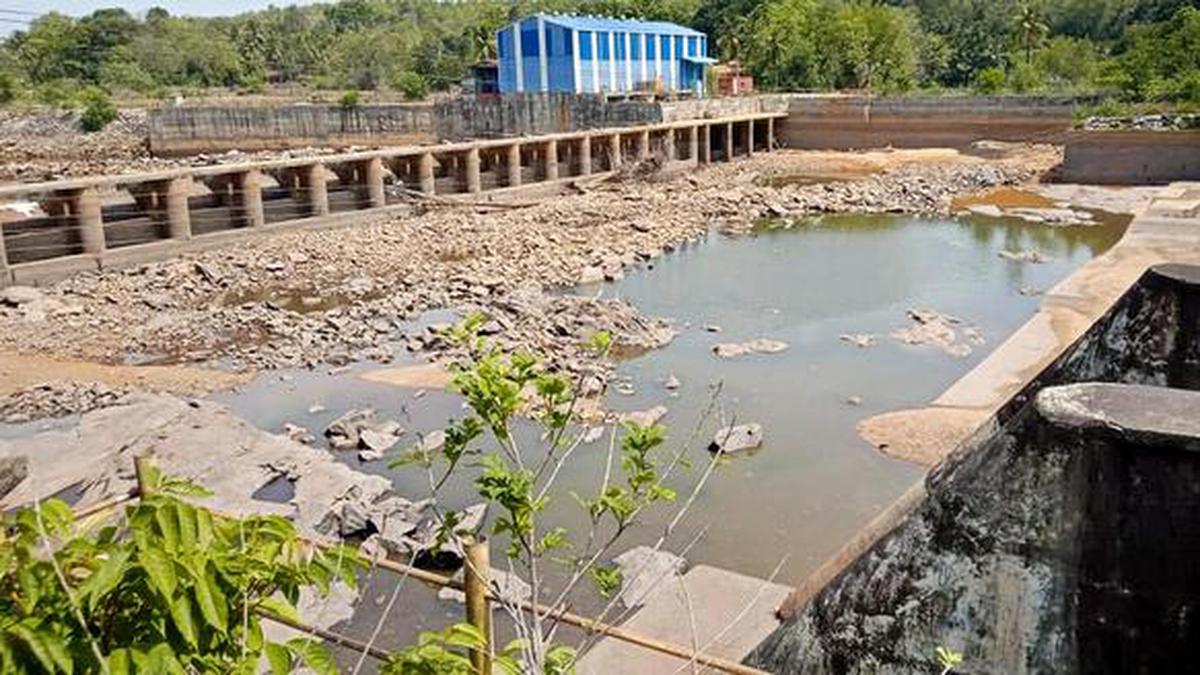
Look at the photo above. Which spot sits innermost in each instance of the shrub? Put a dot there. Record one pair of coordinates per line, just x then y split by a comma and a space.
98, 110
351, 99
990, 81
172, 588
1024, 78
9, 87
410, 85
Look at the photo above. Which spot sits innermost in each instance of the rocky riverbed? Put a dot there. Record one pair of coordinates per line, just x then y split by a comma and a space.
329, 299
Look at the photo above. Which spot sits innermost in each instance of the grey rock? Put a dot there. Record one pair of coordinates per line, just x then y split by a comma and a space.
737, 438
20, 295
643, 569
13, 470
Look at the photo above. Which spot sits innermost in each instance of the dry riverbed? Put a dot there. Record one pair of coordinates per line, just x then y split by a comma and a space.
328, 299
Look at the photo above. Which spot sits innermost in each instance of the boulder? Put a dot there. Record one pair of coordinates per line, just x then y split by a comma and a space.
20, 295
643, 569
13, 470
645, 418
737, 438
344, 432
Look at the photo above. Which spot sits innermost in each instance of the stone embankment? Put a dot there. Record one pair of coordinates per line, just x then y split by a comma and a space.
326, 299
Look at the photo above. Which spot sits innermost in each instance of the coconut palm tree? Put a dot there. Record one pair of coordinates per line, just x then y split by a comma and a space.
1031, 26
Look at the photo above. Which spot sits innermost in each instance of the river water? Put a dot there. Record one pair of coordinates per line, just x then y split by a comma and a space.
813, 483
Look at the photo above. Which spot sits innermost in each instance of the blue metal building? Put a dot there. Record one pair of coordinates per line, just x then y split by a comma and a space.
587, 54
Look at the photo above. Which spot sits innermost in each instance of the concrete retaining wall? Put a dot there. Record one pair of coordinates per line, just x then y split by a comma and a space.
530, 114
1131, 157
849, 122
673, 111
175, 131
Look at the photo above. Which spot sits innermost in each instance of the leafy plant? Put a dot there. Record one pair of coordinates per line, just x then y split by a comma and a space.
410, 85
948, 659
171, 588
98, 110
518, 482
350, 100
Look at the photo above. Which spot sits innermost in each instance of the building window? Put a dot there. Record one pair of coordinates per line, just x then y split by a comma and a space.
604, 52
504, 45
585, 45
635, 47
664, 44
651, 42
678, 47
529, 42
692, 44
620, 38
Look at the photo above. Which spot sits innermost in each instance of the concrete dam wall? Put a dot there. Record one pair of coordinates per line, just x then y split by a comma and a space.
854, 122
187, 130
1060, 538
1131, 157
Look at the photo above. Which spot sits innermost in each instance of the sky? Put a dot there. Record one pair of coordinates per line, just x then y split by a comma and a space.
14, 11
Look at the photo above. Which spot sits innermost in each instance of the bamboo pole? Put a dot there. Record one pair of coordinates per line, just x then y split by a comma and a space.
479, 609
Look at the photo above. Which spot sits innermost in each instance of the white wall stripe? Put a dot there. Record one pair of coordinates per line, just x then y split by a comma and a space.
520, 58
543, 57
575, 60
642, 37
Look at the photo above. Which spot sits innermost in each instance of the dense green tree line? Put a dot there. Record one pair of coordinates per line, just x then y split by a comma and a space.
1133, 49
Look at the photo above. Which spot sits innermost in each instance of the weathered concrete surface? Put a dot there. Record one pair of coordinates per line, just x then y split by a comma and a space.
849, 122
1138, 414
1056, 539
529, 114
721, 613
197, 440
1130, 157
189, 130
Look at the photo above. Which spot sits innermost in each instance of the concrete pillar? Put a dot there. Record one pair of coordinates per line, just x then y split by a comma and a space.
514, 165
372, 174
318, 192
770, 134
175, 203
249, 199
729, 141
614, 152
4, 274
669, 145
85, 209
643, 147
749, 138
550, 156
585, 155
694, 145
471, 171
705, 144
425, 171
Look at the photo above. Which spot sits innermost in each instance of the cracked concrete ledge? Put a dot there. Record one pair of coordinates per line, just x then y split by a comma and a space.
1167, 231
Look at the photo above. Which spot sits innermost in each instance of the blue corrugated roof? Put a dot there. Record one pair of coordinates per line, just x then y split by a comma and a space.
602, 23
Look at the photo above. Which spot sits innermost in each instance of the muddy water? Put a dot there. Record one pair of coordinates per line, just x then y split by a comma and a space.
814, 482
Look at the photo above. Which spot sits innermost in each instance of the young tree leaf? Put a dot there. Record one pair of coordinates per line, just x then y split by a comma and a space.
279, 658
105, 578
213, 604
314, 655
279, 606
185, 620
161, 569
